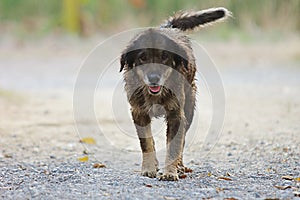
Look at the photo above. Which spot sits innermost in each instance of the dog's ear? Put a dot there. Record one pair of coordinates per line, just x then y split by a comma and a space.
122, 61
127, 59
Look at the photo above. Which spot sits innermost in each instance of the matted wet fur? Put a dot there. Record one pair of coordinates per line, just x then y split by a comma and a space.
159, 80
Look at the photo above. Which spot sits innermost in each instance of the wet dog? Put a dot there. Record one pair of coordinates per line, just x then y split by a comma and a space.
159, 79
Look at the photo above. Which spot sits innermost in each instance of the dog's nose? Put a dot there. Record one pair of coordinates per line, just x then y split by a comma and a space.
153, 78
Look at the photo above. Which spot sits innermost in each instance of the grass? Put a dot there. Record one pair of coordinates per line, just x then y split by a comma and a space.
10, 96
296, 58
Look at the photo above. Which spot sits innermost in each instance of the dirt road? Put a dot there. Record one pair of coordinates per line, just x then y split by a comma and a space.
256, 156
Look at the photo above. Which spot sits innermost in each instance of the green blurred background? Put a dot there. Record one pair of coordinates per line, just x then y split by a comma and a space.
33, 18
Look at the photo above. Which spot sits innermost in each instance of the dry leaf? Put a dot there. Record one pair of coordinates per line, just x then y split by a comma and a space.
219, 189
169, 198
182, 176
224, 178
287, 178
83, 159
147, 185
46, 172
297, 179
188, 170
99, 165
85, 152
88, 140
230, 198
285, 149
282, 187
209, 174
7, 156
22, 167
228, 174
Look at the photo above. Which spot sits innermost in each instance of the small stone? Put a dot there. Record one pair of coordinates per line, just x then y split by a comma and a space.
35, 150
7, 156
296, 194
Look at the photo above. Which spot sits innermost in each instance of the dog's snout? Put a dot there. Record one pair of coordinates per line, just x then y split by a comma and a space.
153, 78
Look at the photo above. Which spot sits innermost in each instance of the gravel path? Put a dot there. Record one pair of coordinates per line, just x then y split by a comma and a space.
241, 178
257, 155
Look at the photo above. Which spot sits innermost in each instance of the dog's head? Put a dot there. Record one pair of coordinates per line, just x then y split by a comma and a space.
154, 56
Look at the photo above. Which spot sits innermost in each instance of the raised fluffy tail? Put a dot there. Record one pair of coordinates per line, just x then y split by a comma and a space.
190, 20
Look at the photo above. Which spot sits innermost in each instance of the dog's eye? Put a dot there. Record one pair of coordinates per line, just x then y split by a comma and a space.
165, 56
142, 57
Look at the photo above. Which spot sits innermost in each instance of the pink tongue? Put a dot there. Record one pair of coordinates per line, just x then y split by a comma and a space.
154, 88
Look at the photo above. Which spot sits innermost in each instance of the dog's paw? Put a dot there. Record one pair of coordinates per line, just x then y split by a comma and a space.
150, 174
169, 177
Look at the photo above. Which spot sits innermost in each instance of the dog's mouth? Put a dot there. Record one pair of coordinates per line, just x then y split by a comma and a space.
154, 89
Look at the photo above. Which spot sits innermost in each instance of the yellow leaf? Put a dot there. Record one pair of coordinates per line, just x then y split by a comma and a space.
297, 179
209, 174
88, 140
83, 159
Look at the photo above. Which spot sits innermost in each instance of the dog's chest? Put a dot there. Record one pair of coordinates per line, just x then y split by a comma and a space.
156, 110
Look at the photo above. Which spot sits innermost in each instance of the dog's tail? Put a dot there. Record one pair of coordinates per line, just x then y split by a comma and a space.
190, 20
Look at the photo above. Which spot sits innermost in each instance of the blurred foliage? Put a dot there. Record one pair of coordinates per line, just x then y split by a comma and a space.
11, 96
71, 15
89, 16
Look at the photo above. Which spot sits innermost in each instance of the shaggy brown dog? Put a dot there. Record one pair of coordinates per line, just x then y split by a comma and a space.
160, 81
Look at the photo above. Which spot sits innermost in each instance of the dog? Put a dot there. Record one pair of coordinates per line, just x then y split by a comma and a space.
159, 73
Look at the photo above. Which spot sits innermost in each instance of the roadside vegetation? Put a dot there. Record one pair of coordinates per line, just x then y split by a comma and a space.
87, 17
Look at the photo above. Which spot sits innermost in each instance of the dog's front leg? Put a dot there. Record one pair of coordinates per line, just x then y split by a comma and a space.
175, 143
142, 123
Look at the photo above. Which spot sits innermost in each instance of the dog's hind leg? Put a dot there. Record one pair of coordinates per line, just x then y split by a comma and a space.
143, 127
